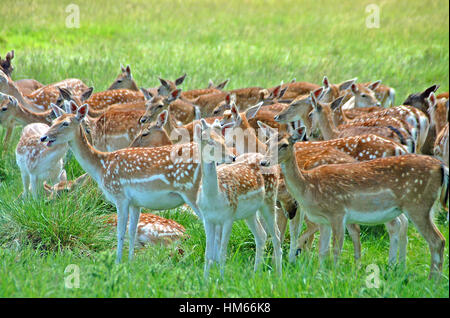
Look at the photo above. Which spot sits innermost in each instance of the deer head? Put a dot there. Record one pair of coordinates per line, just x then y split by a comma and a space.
154, 135
124, 79
5, 64
418, 100
212, 145
156, 104
365, 96
168, 86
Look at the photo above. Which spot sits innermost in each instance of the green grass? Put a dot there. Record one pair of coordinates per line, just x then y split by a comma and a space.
252, 43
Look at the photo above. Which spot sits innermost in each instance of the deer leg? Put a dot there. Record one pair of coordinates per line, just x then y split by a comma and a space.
354, 232
281, 221
295, 226
403, 239
6, 140
431, 234
34, 186
338, 229
268, 213
132, 229
307, 238
209, 250
123, 208
217, 240
26, 183
393, 228
324, 241
226, 232
260, 238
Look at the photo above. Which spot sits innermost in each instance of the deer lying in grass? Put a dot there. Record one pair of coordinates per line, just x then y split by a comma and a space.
310, 155
335, 195
159, 178
64, 185
232, 192
38, 162
26, 86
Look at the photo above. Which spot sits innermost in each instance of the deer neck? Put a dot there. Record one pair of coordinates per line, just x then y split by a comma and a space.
90, 159
251, 142
327, 126
170, 125
294, 178
27, 116
14, 91
210, 184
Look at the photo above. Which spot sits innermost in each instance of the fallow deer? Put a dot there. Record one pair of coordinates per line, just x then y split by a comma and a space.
220, 86
310, 155
158, 178
168, 86
124, 80
441, 145
65, 186
233, 192
153, 135
362, 96
335, 195
38, 162
419, 100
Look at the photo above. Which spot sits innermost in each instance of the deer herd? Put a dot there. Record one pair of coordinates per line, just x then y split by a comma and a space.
334, 156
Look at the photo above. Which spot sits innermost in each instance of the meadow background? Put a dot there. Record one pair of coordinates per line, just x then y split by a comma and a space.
254, 43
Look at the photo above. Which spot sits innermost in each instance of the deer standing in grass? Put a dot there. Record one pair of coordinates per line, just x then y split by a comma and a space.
159, 178
370, 192
309, 155
232, 192
38, 162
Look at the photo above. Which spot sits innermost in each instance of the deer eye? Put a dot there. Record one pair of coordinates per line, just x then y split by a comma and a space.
146, 133
65, 124
4, 109
119, 81
363, 95
159, 106
283, 146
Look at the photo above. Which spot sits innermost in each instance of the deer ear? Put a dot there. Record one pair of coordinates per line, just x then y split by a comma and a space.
210, 84
337, 102
429, 90
147, 94
373, 86
72, 107
47, 188
128, 70
65, 93
314, 103
57, 110
283, 91
87, 93
180, 80
62, 176
432, 100
164, 83
122, 68
318, 93
223, 84
252, 111
82, 112
346, 84
325, 82
226, 126
162, 118
234, 110
354, 89
276, 91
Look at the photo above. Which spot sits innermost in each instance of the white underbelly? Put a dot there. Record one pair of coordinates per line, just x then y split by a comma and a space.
155, 200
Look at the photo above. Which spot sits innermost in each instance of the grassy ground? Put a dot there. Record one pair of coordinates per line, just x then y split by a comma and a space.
252, 43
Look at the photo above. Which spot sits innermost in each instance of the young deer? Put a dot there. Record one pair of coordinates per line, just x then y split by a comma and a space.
419, 100
441, 145
64, 186
168, 86
220, 86
293, 89
335, 195
159, 178
362, 96
38, 162
234, 192
101, 100
438, 112
124, 80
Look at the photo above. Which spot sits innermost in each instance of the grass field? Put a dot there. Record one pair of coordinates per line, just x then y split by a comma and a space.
254, 43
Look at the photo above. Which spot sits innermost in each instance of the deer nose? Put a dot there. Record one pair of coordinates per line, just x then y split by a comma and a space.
43, 138
233, 158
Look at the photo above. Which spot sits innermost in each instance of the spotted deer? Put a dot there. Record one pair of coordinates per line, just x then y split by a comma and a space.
293, 89
335, 195
438, 112
309, 155
419, 100
220, 86
101, 100
64, 185
234, 192
26, 86
441, 145
158, 178
154, 230
321, 118
38, 162
168, 86
124, 80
